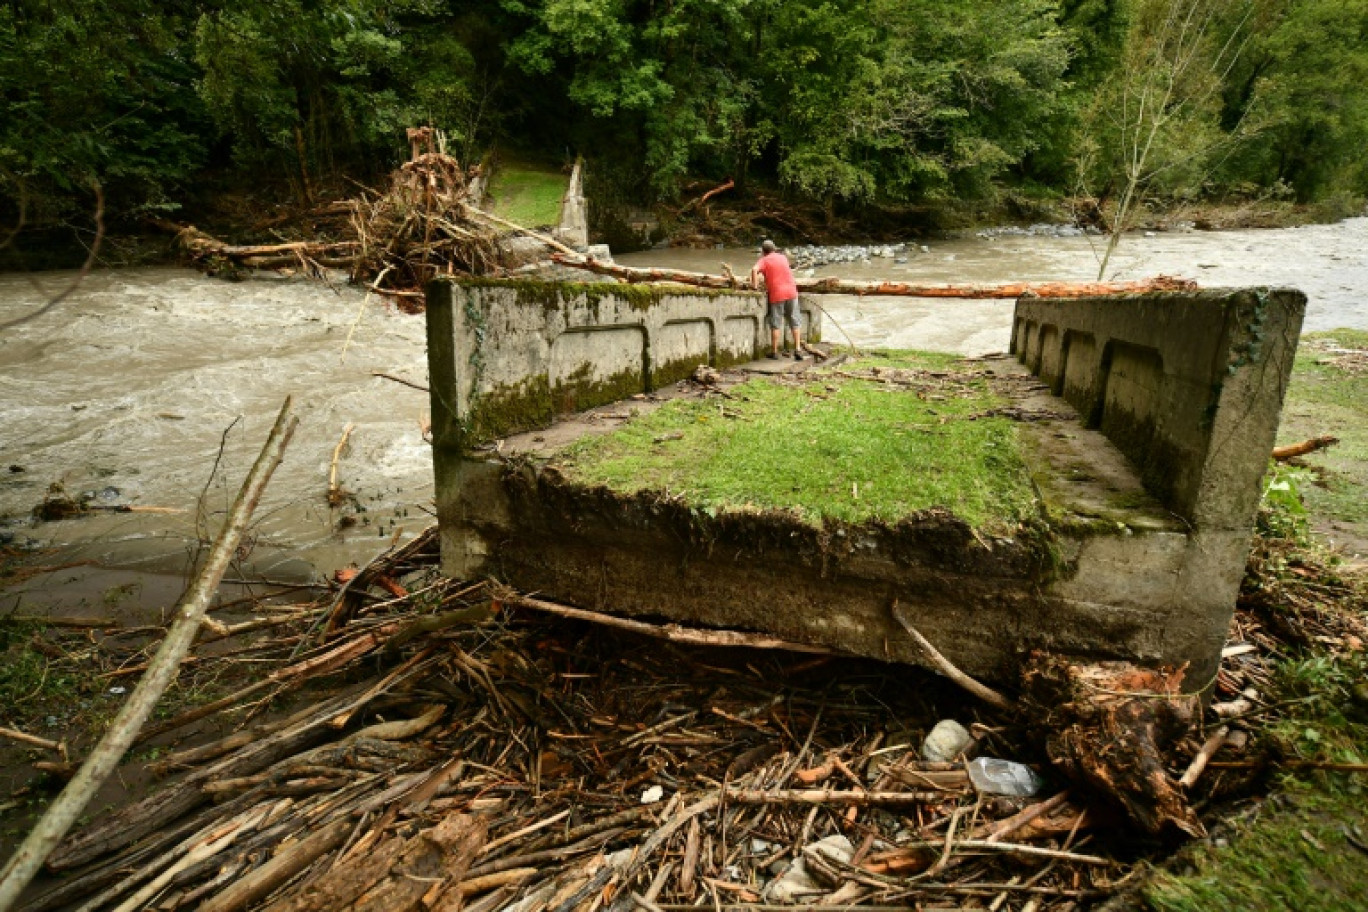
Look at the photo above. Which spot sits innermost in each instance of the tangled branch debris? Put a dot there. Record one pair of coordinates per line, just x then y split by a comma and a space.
392, 241
454, 749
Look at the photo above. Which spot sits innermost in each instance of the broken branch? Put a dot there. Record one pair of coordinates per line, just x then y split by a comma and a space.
829, 285
947, 668
1293, 450
62, 813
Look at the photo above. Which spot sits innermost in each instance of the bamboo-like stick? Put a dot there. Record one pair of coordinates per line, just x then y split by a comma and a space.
62, 813
672, 632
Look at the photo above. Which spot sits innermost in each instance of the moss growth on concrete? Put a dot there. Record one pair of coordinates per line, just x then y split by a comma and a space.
825, 446
508, 410
557, 295
581, 390
676, 370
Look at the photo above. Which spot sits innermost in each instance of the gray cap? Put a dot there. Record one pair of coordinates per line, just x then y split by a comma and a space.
767, 246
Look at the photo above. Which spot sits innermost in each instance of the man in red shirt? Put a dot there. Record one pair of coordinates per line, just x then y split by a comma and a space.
782, 292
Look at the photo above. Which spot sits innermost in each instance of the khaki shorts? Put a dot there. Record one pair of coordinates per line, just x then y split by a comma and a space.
781, 312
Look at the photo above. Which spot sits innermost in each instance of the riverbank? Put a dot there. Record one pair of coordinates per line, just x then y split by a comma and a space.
1281, 837
269, 214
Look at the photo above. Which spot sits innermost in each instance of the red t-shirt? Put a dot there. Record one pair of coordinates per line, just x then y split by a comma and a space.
778, 277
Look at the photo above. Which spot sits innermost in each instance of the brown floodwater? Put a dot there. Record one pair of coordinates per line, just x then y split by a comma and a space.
157, 387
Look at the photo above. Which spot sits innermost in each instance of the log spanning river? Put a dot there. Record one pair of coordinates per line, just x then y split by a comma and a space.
156, 387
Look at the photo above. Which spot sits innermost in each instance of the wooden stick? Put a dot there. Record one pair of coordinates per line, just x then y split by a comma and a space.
334, 492
1291, 764
518, 834
417, 386
830, 796
16, 735
77, 622
947, 668
62, 813
1199, 762
1293, 450
262, 881
893, 289
672, 632
1015, 849
473, 885
1004, 828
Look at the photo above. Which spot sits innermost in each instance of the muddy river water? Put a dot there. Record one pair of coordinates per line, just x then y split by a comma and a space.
156, 387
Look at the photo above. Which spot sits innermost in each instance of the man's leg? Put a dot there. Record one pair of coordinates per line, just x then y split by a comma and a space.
795, 321
774, 341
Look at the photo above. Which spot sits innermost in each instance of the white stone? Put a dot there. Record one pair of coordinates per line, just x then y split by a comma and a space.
946, 742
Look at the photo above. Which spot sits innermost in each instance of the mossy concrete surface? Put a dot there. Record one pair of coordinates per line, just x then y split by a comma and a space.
809, 504
506, 356
968, 495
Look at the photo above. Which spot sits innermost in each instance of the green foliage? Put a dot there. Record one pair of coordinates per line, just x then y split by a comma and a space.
96, 92
842, 449
1282, 514
845, 102
1295, 855
1305, 75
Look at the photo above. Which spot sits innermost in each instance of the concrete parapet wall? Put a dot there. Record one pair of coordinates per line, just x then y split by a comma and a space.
509, 356
1189, 386
1180, 392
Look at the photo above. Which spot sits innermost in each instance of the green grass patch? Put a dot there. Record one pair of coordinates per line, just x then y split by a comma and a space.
1327, 399
1294, 856
528, 195
826, 447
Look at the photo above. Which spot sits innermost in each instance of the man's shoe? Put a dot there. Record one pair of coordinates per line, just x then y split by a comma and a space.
797, 356
774, 356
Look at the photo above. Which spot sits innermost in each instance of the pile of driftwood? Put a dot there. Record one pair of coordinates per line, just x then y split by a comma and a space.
448, 748
392, 241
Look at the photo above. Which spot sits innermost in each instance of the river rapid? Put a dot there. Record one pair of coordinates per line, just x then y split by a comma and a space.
156, 387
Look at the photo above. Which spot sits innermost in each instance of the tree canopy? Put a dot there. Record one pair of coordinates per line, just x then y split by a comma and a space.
839, 101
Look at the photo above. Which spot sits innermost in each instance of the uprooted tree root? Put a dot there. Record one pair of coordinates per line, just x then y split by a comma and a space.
1109, 725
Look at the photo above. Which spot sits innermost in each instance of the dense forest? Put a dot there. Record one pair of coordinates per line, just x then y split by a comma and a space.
843, 103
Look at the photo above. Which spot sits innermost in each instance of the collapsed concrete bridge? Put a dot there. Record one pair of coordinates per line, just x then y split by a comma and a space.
1159, 413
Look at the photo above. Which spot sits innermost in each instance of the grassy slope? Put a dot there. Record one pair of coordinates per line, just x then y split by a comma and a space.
1296, 854
1326, 400
831, 447
528, 195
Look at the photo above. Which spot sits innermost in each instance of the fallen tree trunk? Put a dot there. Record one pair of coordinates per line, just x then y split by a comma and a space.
893, 289
200, 245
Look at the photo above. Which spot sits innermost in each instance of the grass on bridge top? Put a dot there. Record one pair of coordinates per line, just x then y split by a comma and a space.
882, 437
529, 195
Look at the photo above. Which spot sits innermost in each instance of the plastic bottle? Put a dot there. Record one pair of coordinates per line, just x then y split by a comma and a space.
1003, 777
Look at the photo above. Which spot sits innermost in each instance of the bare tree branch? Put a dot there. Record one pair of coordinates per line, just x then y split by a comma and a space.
80, 276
